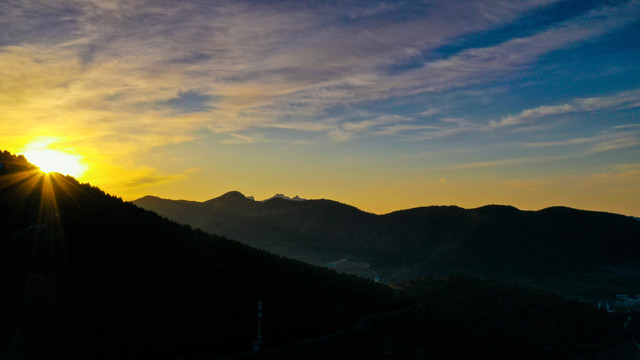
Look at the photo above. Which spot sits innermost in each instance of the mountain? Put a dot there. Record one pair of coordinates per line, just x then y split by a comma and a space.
282, 196
576, 253
85, 275
311, 230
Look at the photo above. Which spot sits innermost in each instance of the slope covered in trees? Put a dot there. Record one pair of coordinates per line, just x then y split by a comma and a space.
573, 252
85, 275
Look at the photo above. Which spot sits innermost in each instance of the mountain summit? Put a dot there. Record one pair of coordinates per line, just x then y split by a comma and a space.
282, 196
533, 247
85, 275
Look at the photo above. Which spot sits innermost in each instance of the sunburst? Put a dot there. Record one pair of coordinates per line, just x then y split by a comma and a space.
49, 160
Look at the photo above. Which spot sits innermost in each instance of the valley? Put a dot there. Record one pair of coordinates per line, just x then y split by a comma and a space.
574, 253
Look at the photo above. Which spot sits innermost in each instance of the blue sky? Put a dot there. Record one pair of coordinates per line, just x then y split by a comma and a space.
384, 105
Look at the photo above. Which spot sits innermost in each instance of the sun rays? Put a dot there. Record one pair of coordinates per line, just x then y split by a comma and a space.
49, 160
28, 185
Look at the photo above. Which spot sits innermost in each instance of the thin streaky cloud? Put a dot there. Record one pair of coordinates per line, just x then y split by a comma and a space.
600, 138
266, 68
626, 126
129, 82
621, 142
621, 100
479, 65
245, 139
503, 162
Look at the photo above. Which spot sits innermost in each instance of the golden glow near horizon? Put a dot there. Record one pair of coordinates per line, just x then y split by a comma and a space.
51, 160
355, 102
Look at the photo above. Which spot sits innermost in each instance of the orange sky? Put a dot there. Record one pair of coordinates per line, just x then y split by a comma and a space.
380, 106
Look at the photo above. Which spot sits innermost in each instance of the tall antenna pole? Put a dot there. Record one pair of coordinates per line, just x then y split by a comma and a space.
259, 342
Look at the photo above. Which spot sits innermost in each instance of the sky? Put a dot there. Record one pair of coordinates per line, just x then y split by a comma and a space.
381, 105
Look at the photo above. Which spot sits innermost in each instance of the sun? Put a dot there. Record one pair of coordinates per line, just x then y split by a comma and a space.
49, 160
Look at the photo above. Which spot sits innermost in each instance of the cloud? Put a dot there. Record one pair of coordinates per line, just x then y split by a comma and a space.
366, 11
625, 141
430, 112
568, 142
623, 174
621, 100
245, 139
190, 101
616, 175
607, 141
155, 70
361, 126
626, 126
436, 132
535, 182
148, 50
541, 111
405, 128
482, 164
517, 161
478, 65
147, 176
314, 126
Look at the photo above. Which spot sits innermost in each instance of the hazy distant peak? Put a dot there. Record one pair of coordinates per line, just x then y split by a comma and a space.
226, 197
497, 207
282, 196
233, 195
148, 198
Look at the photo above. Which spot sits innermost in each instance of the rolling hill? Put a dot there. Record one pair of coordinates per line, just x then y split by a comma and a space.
85, 275
577, 253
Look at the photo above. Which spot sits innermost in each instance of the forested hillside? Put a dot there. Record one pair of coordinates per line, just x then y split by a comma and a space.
85, 275
583, 254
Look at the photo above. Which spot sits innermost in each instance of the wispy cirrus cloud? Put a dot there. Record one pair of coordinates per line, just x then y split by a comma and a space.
624, 174
245, 139
127, 58
621, 100
608, 141
590, 145
149, 176
505, 162
478, 65
129, 77
619, 142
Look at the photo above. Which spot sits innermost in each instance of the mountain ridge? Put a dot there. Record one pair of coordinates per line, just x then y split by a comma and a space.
86, 275
492, 240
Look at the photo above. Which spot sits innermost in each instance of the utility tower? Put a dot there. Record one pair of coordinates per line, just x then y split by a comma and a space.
258, 343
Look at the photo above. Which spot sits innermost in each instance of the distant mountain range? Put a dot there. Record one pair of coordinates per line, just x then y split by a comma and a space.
85, 275
555, 248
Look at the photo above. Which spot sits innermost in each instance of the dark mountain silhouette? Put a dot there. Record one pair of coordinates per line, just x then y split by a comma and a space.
573, 252
85, 275
313, 230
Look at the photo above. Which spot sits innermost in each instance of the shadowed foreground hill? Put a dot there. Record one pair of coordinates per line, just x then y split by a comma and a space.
471, 318
573, 252
85, 275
